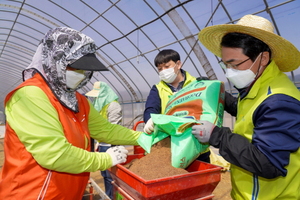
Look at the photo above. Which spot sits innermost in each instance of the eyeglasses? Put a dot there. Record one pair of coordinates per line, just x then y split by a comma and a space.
229, 65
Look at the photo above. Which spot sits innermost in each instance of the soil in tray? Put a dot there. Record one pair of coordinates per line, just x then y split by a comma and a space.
156, 164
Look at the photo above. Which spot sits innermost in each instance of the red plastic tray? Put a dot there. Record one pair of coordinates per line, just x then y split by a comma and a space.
199, 183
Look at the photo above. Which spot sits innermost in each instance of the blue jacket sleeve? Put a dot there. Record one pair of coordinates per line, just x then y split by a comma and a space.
277, 129
276, 135
153, 104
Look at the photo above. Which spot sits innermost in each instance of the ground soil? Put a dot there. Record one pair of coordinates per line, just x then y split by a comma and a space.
221, 192
150, 167
156, 164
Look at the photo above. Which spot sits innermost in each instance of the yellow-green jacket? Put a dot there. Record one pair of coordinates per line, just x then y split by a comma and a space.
264, 147
246, 185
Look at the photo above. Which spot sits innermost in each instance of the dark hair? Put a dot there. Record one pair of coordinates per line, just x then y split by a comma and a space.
165, 56
251, 46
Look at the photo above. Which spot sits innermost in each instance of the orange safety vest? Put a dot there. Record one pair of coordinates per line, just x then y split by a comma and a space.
23, 178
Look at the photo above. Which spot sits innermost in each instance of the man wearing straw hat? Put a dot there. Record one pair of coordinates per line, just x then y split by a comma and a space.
263, 147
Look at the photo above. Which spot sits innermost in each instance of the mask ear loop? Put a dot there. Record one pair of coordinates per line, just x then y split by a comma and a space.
178, 69
256, 77
174, 70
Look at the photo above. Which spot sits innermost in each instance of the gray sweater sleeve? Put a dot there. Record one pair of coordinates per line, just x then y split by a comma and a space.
114, 113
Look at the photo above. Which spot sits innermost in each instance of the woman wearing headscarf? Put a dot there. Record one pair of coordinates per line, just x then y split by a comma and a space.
49, 124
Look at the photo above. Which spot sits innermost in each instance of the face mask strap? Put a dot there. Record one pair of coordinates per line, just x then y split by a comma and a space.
256, 75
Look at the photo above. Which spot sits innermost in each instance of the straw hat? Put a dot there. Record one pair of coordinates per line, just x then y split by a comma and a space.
285, 54
95, 91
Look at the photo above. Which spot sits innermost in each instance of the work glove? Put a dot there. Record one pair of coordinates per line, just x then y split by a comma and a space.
96, 146
203, 130
149, 127
118, 154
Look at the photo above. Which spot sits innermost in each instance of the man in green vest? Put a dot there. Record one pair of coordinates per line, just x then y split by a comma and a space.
173, 78
263, 147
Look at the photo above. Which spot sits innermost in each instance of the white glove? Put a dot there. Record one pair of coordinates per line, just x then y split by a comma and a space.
118, 154
203, 131
96, 146
149, 127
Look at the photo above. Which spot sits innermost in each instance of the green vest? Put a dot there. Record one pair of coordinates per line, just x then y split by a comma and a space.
244, 184
103, 111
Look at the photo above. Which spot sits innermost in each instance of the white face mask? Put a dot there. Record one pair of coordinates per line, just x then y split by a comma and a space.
74, 78
168, 75
241, 78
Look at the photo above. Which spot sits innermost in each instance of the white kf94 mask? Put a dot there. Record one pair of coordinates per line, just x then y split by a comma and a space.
74, 78
168, 75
